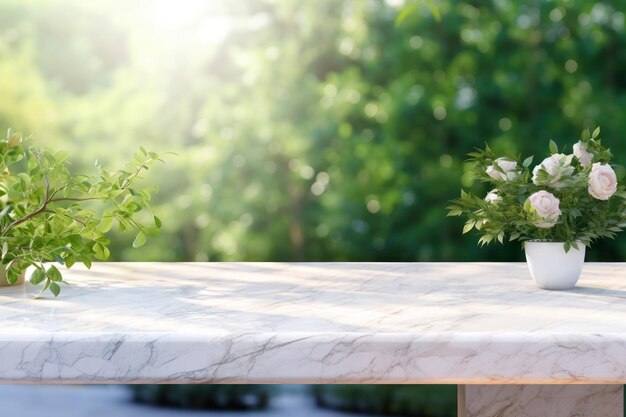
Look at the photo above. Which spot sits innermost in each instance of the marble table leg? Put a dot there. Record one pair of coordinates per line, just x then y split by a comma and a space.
541, 401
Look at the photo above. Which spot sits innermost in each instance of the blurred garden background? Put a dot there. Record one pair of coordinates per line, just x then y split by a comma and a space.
312, 130
321, 130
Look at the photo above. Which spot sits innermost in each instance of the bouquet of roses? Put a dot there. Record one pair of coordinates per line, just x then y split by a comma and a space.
571, 198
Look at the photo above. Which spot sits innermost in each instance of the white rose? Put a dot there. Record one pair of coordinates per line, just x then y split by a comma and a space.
557, 166
493, 196
602, 181
546, 206
581, 153
509, 168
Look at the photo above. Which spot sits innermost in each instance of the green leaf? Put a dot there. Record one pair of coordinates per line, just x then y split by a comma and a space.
15, 139
98, 250
585, 136
70, 261
76, 241
86, 261
58, 259
61, 156
37, 276
13, 274
528, 161
55, 288
54, 274
553, 147
105, 224
140, 240
157, 222
104, 240
596, 132
468, 226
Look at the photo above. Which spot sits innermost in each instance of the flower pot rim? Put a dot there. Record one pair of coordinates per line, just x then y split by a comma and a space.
549, 241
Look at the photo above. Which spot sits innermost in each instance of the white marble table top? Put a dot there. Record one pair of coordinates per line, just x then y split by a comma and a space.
457, 323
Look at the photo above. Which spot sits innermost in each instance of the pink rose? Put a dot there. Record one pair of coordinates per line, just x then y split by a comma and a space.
602, 181
493, 196
509, 168
546, 206
557, 166
581, 153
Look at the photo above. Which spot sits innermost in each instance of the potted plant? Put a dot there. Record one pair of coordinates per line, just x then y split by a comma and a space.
49, 215
556, 209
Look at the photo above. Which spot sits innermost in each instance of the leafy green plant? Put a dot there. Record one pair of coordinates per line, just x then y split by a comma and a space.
390, 400
572, 198
203, 396
47, 214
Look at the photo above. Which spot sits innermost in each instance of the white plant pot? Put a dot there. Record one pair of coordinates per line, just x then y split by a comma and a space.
551, 267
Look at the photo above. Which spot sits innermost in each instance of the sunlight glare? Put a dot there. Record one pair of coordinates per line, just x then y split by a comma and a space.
201, 18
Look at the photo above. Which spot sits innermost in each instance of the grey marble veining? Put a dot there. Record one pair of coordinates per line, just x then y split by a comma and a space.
340, 322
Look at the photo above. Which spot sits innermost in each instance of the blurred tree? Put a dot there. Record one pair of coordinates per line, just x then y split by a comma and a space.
390, 400
312, 130
200, 396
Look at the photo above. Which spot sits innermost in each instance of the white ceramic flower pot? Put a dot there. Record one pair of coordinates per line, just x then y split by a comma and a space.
551, 267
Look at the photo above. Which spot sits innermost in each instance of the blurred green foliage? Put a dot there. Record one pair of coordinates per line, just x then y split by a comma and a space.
214, 397
318, 130
391, 400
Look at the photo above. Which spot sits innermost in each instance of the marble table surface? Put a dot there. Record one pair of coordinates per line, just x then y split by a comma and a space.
455, 323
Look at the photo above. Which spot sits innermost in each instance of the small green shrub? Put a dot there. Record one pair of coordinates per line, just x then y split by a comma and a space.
392, 400
216, 397
46, 215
